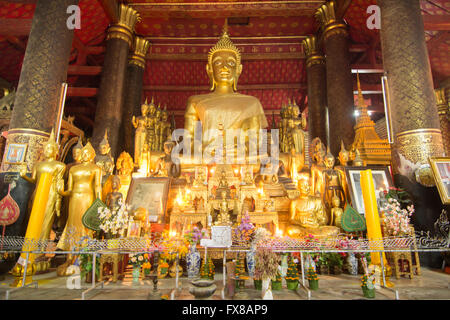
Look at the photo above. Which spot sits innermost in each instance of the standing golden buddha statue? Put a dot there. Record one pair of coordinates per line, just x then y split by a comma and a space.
140, 135
344, 157
56, 169
124, 166
156, 146
84, 186
150, 125
165, 132
104, 160
333, 184
223, 107
317, 168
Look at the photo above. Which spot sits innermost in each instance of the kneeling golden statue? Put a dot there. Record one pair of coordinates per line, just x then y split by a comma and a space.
308, 215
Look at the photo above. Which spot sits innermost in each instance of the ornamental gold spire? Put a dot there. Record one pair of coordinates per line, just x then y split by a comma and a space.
372, 149
124, 27
225, 44
140, 51
52, 141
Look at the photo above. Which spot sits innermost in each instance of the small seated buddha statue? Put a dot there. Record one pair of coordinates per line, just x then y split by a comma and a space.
308, 215
223, 107
223, 219
104, 160
336, 212
332, 180
200, 177
140, 135
114, 199
124, 166
165, 167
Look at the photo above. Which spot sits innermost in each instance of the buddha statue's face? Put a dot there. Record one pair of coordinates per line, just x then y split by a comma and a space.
343, 157
76, 154
329, 161
167, 148
144, 109
164, 116
104, 148
87, 155
336, 202
158, 113
152, 109
224, 70
115, 184
50, 151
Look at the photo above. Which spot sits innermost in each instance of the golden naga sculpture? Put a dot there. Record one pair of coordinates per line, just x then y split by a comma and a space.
104, 160
223, 107
56, 168
140, 135
84, 186
308, 215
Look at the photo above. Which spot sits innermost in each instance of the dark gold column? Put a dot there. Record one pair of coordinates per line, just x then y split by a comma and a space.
317, 89
108, 115
414, 115
133, 91
43, 71
339, 76
443, 112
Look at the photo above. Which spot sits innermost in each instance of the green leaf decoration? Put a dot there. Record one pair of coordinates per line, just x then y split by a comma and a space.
352, 221
90, 218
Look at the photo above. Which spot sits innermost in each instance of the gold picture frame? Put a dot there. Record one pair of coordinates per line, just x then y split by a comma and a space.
134, 229
441, 173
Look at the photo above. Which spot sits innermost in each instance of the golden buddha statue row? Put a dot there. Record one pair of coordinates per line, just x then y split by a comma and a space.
152, 129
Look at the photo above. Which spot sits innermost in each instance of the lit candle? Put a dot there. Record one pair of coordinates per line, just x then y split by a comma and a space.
34, 227
372, 216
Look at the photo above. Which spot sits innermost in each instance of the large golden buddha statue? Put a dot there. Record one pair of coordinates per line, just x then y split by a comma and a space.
223, 108
308, 214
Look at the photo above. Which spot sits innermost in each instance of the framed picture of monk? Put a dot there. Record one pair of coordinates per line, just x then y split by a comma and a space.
441, 173
15, 154
382, 181
151, 194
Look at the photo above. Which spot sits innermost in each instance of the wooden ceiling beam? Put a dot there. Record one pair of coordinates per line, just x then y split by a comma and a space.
84, 70
81, 92
436, 22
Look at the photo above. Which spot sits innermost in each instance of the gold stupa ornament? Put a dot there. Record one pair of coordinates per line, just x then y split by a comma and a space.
372, 149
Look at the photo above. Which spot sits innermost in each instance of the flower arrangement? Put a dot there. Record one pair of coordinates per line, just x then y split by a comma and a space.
115, 221
194, 236
86, 265
136, 260
276, 282
311, 274
244, 231
395, 219
368, 280
266, 263
170, 246
207, 270
292, 272
146, 266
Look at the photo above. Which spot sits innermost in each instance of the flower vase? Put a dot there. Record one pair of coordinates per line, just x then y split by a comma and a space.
276, 285
292, 285
266, 292
258, 284
352, 264
313, 284
251, 261
136, 273
368, 293
193, 262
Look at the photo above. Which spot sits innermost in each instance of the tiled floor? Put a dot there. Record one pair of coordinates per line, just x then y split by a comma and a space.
431, 285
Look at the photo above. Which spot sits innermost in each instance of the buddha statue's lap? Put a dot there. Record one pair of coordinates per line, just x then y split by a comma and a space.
223, 109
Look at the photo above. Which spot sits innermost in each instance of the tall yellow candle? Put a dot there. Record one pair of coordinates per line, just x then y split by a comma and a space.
37, 214
372, 216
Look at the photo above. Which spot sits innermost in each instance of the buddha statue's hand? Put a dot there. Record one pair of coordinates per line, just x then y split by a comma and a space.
23, 172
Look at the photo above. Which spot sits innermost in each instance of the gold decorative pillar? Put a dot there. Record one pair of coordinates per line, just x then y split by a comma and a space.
414, 115
44, 69
108, 115
443, 112
339, 77
317, 88
133, 91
